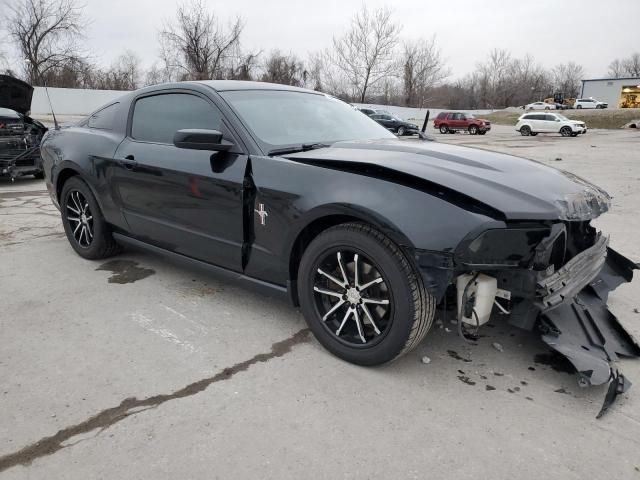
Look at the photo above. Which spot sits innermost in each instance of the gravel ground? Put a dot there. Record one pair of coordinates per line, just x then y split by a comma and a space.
142, 368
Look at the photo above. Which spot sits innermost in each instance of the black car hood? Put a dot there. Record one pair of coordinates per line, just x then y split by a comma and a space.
518, 188
15, 94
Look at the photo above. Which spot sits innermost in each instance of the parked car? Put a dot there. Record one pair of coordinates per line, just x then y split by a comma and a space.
589, 103
374, 111
540, 106
396, 124
20, 135
292, 191
535, 123
451, 122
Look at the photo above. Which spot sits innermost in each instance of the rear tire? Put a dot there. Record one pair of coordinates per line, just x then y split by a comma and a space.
84, 224
353, 309
579, 107
533, 134
444, 129
482, 132
525, 130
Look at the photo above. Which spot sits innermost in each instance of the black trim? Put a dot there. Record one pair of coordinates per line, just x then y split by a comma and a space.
265, 288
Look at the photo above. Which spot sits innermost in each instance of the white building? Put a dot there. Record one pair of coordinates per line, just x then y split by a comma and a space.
617, 92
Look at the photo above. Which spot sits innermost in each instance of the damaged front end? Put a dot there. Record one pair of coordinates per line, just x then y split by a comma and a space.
554, 277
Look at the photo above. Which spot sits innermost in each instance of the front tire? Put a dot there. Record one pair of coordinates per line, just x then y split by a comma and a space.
361, 297
444, 129
566, 131
84, 224
401, 131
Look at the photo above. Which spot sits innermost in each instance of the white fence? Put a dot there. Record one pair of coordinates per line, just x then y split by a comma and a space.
70, 101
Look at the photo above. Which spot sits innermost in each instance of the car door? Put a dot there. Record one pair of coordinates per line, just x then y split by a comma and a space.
536, 122
183, 200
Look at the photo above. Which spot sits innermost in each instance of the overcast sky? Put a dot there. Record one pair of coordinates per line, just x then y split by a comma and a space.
589, 32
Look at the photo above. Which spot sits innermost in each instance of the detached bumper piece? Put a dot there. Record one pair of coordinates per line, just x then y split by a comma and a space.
581, 327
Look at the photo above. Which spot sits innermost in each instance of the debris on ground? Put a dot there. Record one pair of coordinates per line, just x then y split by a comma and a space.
426, 360
558, 159
497, 346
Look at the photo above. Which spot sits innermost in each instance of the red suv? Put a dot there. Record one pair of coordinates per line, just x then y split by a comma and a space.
451, 122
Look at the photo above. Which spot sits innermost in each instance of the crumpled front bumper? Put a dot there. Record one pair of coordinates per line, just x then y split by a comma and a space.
577, 323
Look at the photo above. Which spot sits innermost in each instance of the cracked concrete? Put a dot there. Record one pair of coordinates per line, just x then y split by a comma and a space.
133, 406
85, 364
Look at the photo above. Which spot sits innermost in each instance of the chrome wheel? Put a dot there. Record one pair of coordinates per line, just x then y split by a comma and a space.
352, 298
80, 218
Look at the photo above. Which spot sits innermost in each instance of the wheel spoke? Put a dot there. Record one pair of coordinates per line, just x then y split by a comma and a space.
344, 275
359, 325
370, 318
328, 292
355, 271
77, 212
82, 233
76, 201
375, 301
372, 282
333, 309
73, 219
90, 233
75, 230
85, 208
344, 320
332, 278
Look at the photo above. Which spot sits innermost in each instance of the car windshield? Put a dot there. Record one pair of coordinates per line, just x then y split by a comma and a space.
281, 119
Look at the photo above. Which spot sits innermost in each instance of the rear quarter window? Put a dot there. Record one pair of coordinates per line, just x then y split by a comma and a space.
104, 119
442, 116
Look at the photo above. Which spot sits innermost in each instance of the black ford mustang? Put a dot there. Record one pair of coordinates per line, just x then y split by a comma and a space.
296, 192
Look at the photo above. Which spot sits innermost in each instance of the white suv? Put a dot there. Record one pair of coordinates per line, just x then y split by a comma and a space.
589, 103
535, 123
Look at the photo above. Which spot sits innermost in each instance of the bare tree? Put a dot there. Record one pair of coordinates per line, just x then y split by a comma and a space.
616, 69
632, 65
196, 46
46, 33
567, 77
285, 69
123, 74
243, 68
423, 68
365, 53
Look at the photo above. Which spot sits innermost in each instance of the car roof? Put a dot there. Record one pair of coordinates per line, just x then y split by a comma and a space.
229, 85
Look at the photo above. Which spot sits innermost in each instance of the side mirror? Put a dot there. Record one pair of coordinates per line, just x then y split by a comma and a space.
201, 139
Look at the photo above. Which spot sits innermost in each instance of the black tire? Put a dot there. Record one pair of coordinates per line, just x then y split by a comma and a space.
533, 134
566, 131
579, 107
444, 129
408, 313
547, 108
39, 175
401, 131
525, 130
482, 132
473, 129
97, 241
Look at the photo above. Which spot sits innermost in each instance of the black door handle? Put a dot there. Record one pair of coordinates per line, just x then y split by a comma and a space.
129, 162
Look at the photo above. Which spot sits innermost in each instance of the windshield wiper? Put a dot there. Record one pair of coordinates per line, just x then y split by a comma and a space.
297, 148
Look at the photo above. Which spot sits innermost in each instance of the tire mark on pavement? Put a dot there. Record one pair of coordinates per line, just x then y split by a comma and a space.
132, 406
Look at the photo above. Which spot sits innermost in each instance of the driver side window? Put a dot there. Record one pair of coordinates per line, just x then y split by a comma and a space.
157, 118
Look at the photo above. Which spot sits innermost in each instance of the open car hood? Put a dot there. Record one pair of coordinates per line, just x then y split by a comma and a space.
517, 188
15, 94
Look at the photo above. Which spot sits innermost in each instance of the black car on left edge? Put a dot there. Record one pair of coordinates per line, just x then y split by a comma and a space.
20, 135
295, 192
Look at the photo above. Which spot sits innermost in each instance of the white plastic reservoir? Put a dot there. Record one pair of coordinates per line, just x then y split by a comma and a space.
483, 289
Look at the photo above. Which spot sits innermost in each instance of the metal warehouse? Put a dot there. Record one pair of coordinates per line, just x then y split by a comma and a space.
617, 92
